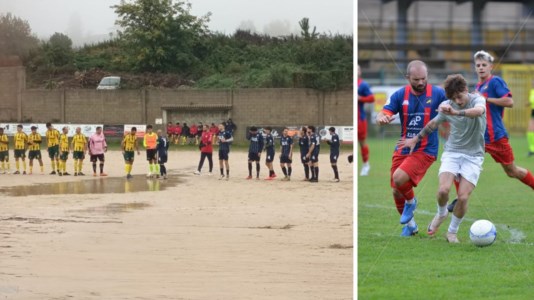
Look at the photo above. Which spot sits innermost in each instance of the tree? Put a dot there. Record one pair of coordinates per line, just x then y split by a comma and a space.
59, 50
15, 36
159, 35
305, 29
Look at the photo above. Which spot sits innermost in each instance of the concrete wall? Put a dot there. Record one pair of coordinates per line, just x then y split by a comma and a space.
276, 107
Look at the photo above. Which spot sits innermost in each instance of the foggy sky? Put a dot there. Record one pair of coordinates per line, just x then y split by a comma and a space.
93, 20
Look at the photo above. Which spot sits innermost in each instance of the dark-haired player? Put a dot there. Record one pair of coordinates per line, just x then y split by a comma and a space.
162, 148
334, 151
52, 141
206, 150
64, 151
304, 145
150, 142
79, 148
4, 151
364, 96
97, 148
21, 141
254, 150
313, 153
269, 149
34, 149
224, 139
286, 154
128, 145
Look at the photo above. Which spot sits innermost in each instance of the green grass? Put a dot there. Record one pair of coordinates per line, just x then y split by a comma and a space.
421, 267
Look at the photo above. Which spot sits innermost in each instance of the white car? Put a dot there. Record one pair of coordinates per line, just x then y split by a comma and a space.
109, 83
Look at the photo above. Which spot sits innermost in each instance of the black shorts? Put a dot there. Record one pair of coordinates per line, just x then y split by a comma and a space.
162, 159
64, 155
334, 157
151, 154
34, 154
269, 157
285, 160
304, 159
20, 153
96, 157
4, 155
314, 157
53, 152
253, 156
223, 155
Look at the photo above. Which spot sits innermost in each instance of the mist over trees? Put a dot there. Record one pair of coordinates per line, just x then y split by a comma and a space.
162, 39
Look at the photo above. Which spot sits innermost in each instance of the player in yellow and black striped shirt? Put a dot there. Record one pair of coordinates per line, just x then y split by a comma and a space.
79, 147
34, 145
64, 152
21, 141
52, 140
4, 151
129, 144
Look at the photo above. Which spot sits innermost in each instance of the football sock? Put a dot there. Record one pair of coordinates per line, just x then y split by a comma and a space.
42, 168
530, 138
17, 164
250, 169
94, 167
126, 169
528, 179
222, 171
101, 168
410, 201
53, 166
227, 172
442, 210
307, 171
455, 223
316, 172
257, 169
284, 171
80, 164
336, 174
399, 204
365, 153
31, 168
3, 166
156, 168
412, 223
289, 169
24, 165
406, 190
163, 170
312, 169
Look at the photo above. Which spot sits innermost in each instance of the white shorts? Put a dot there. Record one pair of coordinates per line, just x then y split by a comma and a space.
459, 164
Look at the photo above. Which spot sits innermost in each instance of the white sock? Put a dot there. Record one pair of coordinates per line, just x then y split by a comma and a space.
410, 201
412, 223
365, 164
455, 223
442, 210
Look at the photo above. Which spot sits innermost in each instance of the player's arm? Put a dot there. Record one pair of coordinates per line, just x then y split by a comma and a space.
473, 112
366, 99
312, 146
503, 101
384, 117
230, 139
123, 144
428, 129
290, 150
136, 143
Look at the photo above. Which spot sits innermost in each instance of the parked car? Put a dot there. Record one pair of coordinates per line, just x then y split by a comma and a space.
109, 83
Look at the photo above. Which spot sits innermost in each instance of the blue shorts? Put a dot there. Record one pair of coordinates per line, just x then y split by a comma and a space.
162, 159
285, 160
253, 156
269, 157
334, 157
223, 155
303, 158
314, 157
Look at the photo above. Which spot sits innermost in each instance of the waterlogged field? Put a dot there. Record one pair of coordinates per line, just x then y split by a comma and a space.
421, 267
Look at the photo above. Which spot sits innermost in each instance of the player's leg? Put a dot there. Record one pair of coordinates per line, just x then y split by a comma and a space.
304, 161
446, 177
200, 163
249, 164
210, 162
333, 163
102, 159
31, 157
80, 166
289, 170
364, 148
23, 158
283, 167
40, 159
52, 161
227, 164
502, 152
92, 159
221, 164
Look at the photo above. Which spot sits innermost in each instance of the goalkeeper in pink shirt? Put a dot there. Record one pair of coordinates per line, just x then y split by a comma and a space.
97, 148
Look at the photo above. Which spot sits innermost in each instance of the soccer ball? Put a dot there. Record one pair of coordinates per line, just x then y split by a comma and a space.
483, 233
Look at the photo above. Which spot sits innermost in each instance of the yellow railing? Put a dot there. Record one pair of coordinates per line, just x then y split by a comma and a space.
519, 79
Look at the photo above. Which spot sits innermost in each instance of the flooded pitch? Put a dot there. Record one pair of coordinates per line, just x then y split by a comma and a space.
93, 186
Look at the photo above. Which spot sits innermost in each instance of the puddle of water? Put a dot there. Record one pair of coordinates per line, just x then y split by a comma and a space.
107, 185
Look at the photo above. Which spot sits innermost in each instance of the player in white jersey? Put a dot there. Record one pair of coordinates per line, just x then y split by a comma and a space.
463, 152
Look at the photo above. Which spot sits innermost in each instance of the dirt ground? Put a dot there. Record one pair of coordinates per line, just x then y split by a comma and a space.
190, 237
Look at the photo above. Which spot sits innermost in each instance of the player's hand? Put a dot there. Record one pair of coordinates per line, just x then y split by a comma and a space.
408, 143
447, 110
384, 119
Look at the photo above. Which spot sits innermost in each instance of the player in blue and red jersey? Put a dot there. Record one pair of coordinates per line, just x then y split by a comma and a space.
364, 96
498, 96
417, 104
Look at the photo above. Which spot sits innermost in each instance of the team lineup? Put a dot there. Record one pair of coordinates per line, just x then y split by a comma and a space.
476, 127
156, 144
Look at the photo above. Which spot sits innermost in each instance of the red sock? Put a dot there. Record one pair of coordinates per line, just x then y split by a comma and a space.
365, 153
528, 179
406, 190
399, 203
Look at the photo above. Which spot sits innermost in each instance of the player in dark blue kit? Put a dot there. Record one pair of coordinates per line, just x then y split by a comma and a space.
304, 145
334, 151
254, 150
313, 153
269, 148
224, 138
286, 154
162, 149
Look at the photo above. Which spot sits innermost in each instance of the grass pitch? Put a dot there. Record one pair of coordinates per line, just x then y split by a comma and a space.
422, 267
